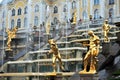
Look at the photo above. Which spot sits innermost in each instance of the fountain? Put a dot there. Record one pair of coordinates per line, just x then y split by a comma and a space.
36, 64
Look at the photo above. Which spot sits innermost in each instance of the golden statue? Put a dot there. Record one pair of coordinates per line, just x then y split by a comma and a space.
47, 28
56, 54
94, 44
11, 35
74, 18
106, 29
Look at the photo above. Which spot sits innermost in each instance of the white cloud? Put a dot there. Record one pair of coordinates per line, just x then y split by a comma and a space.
0, 0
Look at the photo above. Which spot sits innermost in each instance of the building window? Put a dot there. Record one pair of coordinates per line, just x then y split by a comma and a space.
111, 13
19, 23
36, 8
111, 2
84, 3
73, 5
84, 15
96, 2
36, 21
12, 24
25, 22
19, 11
96, 14
3, 25
25, 10
65, 18
55, 9
65, 8
13, 12
55, 20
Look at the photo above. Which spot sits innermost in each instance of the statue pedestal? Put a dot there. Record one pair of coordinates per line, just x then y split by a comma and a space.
55, 76
88, 76
118, 36
106, 49
9, 54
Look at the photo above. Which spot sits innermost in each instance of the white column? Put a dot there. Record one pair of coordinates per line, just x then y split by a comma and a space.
119, 7
41, 13
102, 8
117, 3
29, 16
9, 21
91, 8
61, 13
78, 9
1, 19
69, 8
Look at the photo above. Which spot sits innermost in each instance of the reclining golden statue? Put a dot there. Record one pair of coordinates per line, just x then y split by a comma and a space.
56, 54
91, 56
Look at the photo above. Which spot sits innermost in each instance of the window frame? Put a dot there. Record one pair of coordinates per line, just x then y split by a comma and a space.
19, 23
19, 11
13, 12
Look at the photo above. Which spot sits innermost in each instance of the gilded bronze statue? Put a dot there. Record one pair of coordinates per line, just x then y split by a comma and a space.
47, 28
91, 56
74, 18
56, 54
106, 29
11, 35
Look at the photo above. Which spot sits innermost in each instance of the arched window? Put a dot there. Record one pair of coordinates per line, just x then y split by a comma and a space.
19, 11
12, 24
73, 5
65, 18
25, 22
25, 10
111, 2
55, 20
13, 12
84, 3
65, 8
96, 2
96, 14
55, 9
19, 23
36, 21
36, 8
85, 15
111, 13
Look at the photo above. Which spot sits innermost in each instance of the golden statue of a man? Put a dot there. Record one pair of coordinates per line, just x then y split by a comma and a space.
74, 18
11, 35
106, 29
56, 54
47, 28
91, 56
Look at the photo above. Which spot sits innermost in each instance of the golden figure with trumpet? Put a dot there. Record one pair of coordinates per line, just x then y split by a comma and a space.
56, 54
11, 35
94, 44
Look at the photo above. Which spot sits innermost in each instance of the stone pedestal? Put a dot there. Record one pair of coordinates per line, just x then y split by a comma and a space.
88, 76
58, 76
118, 36
106, 49
9, 55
